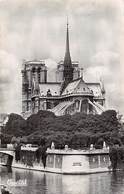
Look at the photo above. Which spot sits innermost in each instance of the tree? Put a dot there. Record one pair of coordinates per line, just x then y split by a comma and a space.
16, 125
78, 131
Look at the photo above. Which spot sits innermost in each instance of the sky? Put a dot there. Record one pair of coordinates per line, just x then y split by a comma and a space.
36, 29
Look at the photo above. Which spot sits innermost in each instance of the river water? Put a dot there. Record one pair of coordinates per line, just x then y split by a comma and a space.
34, 182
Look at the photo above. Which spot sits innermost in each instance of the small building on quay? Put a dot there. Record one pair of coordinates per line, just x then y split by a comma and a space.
67, 95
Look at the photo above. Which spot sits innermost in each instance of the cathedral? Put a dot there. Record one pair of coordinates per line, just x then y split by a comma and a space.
67, 95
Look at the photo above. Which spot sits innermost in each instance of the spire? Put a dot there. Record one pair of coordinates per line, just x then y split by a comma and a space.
68, 69
67, 53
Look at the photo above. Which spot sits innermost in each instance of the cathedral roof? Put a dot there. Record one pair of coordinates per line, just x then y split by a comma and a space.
77, 86
96, 88
53, 87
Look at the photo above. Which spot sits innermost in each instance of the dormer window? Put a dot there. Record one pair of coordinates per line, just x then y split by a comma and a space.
49, 93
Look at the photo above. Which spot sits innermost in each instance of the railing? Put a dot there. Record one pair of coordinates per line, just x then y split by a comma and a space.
78, 152
7, 149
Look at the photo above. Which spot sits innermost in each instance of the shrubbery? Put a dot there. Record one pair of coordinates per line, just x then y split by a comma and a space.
117, 157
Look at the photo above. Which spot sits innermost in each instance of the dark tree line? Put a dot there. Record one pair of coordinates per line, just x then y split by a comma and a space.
116, 155
78, 131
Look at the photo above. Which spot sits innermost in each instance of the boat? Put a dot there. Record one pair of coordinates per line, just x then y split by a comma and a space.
64, 161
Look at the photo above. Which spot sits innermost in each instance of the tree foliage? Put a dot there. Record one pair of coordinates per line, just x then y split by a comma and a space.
78, 131
117, 157
16, 125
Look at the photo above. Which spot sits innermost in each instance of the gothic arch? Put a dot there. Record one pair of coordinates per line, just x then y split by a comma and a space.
77, 104
84, 106
33, 70
39, 74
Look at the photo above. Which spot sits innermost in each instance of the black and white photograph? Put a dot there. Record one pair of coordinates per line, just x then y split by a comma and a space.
61, 96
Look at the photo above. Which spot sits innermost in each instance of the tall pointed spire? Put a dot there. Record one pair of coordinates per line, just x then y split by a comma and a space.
67, 58
67, 53
68, 69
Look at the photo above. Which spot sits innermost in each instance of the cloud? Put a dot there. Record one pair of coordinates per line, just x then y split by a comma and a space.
36, 30
10, 82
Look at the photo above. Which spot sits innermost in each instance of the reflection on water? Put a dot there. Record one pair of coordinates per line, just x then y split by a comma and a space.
48, 183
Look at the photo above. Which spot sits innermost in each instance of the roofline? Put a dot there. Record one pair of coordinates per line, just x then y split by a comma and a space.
76, 80
93, 83
64, 96
88, 83
78, 94
50, 83
34, 62
98, 98
73, 62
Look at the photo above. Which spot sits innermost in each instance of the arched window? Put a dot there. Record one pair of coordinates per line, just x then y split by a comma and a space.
77, 104
49, 93
84, 106
49, 105
33, 72
39, 74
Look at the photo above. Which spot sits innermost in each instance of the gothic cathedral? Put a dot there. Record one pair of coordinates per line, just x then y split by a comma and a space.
68, 95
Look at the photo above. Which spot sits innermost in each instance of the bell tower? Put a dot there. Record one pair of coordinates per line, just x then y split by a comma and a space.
25, 90
33, 73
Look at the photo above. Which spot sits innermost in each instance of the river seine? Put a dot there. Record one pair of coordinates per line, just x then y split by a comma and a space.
34, 182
